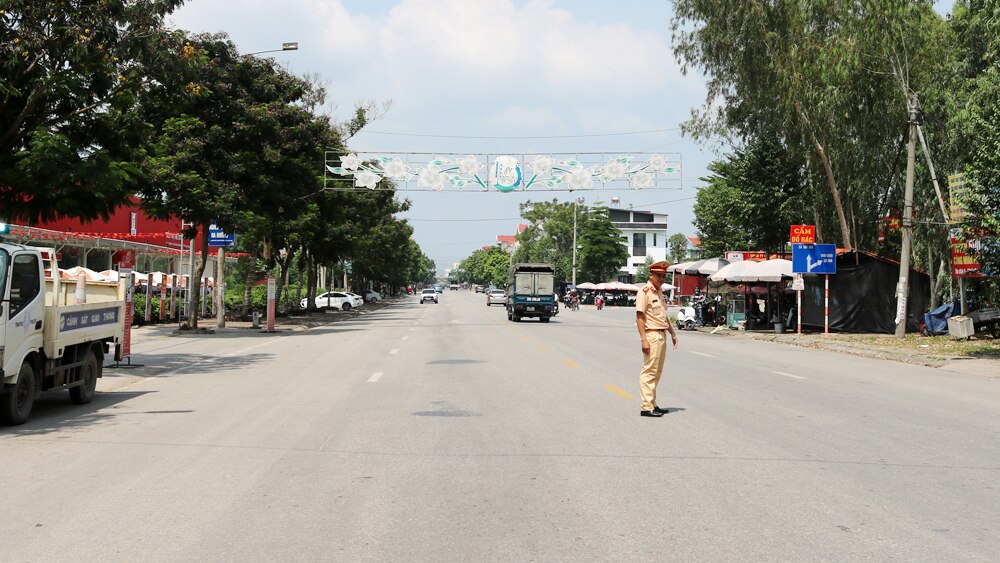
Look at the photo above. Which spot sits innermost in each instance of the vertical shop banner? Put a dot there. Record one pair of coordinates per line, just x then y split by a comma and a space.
125, 275
271, 294
963, 265
957, 192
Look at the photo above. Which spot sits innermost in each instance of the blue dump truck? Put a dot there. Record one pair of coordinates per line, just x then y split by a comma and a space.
530, 292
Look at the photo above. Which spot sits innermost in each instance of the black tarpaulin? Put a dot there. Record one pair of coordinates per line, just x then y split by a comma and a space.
863, 296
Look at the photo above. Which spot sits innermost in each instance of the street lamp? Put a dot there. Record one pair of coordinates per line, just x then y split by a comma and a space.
289, 46
579, 201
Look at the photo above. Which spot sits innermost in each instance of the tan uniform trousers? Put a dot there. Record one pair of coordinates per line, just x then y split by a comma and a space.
652, 367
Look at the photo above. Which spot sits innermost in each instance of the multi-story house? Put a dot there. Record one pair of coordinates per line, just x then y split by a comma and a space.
645, 235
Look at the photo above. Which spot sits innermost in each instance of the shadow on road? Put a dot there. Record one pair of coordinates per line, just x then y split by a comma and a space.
160, 365
54, 412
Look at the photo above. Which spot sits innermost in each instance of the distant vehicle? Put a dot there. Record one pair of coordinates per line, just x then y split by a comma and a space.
429, 294
530, 291
332, 300
454, 287
496, 297
373, 296
439, 288
479, 289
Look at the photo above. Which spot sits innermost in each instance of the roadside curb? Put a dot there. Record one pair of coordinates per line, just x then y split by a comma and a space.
821, 342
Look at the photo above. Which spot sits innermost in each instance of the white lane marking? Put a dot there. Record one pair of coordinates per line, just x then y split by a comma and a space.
789, 375
702, 354
406, 338
375, 377
412, 329
394, 351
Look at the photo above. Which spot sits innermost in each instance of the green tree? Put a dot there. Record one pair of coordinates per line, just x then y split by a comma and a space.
642, 272
678, 248
751, 199
212, 113
828, 80
70, 74
602, 254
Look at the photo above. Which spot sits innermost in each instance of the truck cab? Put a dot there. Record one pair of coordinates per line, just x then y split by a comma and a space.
49, 340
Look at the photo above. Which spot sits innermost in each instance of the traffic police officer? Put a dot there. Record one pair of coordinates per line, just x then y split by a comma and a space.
653, 324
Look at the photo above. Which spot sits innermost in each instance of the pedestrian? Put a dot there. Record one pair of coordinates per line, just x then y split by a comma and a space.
653, 323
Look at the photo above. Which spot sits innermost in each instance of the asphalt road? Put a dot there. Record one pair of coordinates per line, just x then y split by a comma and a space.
446, 433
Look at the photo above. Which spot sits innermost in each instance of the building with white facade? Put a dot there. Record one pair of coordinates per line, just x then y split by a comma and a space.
645, 235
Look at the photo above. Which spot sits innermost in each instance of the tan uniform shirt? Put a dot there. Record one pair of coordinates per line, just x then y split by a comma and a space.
649, 302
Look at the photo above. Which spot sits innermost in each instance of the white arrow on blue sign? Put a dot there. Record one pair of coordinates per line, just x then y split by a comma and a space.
814, 258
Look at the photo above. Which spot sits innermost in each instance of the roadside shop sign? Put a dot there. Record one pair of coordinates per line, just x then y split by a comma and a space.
963, 265
814, 258
753, 256
958, 192
802, 234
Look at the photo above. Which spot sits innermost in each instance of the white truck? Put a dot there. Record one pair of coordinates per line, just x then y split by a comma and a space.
48, 341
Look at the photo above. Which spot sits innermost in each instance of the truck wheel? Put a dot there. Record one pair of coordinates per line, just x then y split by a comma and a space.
16, 405
545, 319
89, 371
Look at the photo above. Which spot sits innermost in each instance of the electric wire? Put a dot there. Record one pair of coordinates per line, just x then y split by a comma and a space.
581, 136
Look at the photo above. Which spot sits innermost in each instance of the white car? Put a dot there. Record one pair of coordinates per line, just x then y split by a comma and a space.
373, 296
331, 299
429, 294
496, 296
356, 300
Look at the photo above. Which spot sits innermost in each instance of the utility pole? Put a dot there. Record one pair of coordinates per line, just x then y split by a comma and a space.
579, 201
220, 290
902, 289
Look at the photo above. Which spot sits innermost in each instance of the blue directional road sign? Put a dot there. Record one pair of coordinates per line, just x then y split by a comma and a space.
216, 237
814, 258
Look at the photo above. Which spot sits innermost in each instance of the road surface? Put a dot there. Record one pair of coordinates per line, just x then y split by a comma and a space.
446, 433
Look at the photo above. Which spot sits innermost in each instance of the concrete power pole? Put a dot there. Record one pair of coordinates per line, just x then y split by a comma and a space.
902, 289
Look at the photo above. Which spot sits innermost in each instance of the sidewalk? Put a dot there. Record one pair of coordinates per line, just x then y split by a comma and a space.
979, 357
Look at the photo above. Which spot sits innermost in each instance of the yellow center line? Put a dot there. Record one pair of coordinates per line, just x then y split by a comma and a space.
570, 364
541, 347
617, 391
522, 337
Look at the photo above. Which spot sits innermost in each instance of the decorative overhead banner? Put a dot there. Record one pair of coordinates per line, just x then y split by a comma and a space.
503, 173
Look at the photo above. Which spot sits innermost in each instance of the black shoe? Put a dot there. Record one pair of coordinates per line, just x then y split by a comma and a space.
650, 413
661, 411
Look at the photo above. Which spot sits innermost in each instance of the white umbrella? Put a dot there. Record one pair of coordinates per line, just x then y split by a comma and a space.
679, 268
667, 287
601, 287
706, 267
87, 272
731, 272
773, 270
585, 285
624, 286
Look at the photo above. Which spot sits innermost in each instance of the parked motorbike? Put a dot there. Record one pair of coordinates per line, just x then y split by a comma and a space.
687, 319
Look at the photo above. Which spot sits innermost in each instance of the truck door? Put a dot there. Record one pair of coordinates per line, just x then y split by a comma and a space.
24, 310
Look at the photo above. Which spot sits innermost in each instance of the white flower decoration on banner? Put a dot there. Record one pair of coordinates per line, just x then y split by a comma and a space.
657, 163
581, 178
614, 170
395, 169
432, 177
547, 173
366, 179
469, 165
542, 166
350, 162
641, 180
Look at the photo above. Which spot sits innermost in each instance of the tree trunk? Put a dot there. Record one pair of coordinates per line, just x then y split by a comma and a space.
935, 277
310, 284
247, 294
195, 284
832, 182
830, 179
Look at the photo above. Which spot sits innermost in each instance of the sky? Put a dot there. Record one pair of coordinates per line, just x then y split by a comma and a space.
490, 77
